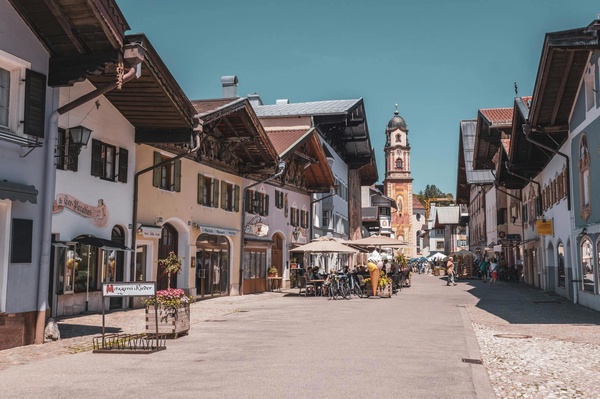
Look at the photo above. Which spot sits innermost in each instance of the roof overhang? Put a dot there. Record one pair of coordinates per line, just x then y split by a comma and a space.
487, 141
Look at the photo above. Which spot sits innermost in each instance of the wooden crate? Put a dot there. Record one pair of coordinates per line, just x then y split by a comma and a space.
173, 322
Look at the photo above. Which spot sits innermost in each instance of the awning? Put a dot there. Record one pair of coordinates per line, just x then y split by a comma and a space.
18, 192
107, 245
60, 244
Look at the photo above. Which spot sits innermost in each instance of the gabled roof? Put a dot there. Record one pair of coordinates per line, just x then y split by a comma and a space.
303, 149
445, 215
82, 37
341, 123
417, 205
306, 109
491, 122
467, 175
232, 126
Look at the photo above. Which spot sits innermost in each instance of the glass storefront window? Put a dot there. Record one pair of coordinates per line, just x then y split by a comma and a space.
587, 266
140, 263
85, 271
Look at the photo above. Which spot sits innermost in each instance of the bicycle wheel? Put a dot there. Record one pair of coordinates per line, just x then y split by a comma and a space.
345, 290
358, 291
333, 291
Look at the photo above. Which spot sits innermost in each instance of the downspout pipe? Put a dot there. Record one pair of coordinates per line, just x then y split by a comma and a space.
48, 198
527, 131
280, 169
134, 228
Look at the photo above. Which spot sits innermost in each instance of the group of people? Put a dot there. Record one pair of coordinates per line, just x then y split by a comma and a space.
489, 270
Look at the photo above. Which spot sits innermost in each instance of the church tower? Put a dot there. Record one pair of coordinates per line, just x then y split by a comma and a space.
398, 182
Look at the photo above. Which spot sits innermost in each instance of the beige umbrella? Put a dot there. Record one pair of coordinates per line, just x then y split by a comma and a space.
378, 241
323, 246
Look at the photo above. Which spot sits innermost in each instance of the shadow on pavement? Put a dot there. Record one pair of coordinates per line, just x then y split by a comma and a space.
79, 330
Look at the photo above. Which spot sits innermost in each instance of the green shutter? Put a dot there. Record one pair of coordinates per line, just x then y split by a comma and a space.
35, 103
224, 195
215, 199
236, 196
200, 198
266, 205
123, 164
156, 171
177, 177
96, 158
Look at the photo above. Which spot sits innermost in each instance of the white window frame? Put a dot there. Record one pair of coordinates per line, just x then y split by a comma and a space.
17, 69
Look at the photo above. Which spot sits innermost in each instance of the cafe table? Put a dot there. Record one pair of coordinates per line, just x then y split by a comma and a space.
318, 286
274, 283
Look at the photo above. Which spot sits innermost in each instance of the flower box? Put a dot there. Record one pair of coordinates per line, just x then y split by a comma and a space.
384, 292
173, 321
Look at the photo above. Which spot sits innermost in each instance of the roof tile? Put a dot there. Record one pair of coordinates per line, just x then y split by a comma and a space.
498, 116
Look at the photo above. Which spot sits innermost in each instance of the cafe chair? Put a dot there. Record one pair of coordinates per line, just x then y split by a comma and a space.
306, 286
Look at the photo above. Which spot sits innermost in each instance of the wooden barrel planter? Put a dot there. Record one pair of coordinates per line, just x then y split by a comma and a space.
171, 321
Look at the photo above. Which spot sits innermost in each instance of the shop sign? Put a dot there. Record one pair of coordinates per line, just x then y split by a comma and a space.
544, 227
128, 289
497, 248
151, 231
218, 231
257, 227
98, 214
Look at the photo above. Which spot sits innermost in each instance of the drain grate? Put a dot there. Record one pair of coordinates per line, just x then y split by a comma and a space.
472, 361
514, 336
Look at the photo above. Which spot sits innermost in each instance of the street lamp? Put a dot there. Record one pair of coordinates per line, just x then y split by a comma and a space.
79, 136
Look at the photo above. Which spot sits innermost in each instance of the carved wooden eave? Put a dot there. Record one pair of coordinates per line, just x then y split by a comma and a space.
562, 64
307, 166
83, 37
153, 103
234, 139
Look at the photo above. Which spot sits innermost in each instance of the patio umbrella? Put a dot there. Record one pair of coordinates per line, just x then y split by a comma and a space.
324, 246
378, 241
437, 256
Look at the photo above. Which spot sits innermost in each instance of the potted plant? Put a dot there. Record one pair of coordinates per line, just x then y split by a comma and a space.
272, 272
173, 308
384, 287
169, 265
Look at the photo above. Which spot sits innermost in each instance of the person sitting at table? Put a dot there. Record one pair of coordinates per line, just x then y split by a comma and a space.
310, 274
316, 274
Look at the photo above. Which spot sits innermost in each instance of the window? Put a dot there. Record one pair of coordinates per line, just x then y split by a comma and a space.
140, 263
257, 202
295, 218
279, 199
67, 156
560, 250
104, 162
385, 211
587, 265
439, 245
208, 191
230, 196
584, 177
22, 106
21, 241
168, 175
304, 219
326, 219
560, 185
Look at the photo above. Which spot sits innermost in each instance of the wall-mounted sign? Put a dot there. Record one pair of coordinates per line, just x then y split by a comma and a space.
257, 227
128, 289
544, 227
218, 231
151, 231
98, 214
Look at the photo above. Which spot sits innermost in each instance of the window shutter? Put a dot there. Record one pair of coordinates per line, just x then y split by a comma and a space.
266, 205
96, 158
215, 199
248, 201
257, 199
236, 200
177, 177
156, 171
224, 195
200, 198
35, 103
21, 242
276, 199
73, 158
123, 164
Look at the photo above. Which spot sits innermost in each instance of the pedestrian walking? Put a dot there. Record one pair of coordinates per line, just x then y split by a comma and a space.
450, 271
483, 269
494, 271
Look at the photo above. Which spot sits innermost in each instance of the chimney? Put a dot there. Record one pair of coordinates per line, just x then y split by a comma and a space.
229, 84
282, 101
254, 99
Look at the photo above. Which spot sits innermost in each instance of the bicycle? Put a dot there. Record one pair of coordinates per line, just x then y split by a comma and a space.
355, 286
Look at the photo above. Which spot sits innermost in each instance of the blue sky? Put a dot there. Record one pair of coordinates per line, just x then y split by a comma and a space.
439, 60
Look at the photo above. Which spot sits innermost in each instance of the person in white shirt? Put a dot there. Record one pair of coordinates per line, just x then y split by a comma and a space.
494, 271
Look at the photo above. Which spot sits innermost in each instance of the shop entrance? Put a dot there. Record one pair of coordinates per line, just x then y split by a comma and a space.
255, 270
212, 266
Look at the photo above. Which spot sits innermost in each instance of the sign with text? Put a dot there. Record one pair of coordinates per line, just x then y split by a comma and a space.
218, 231
98, 214
544, 227
140, 288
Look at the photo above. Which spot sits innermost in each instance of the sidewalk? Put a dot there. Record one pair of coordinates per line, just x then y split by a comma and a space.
77, 331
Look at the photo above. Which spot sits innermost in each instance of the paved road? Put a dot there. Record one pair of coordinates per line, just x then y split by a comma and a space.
279, 345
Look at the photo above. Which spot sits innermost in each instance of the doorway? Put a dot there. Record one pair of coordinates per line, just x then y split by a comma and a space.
212, 266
